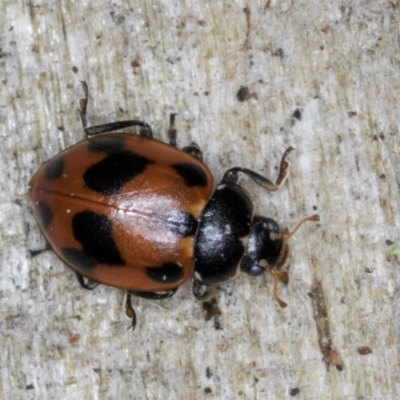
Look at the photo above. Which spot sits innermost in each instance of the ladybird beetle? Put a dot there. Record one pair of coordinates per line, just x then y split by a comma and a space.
129, 211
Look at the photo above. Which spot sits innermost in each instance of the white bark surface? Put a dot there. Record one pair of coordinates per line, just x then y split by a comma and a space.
324, 78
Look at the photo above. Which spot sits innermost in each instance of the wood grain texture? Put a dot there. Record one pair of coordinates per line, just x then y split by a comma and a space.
321, 76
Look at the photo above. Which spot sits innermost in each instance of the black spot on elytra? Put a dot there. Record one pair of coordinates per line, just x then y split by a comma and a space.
55, 168
45, 214
192, 174
93, 232
108, 144
166, 273
109, 175
181, 223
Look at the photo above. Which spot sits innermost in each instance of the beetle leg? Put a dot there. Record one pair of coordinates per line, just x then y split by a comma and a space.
172, 130
153, 295
194, 150
35, 253
282, 277
283, 168
86, 283
207, 295
145, 129
129, 311
203, 292
232, 174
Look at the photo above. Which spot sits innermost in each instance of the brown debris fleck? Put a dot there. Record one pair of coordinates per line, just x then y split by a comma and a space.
364, 350
331, 356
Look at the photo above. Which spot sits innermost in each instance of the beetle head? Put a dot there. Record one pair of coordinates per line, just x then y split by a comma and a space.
267, 250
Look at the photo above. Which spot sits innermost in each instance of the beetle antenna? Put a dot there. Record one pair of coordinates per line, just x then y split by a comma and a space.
282, 277
287, 234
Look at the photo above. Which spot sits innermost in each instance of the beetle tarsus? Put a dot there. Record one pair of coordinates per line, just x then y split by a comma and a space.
130, 312
283, 168
86, 283
281, 277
